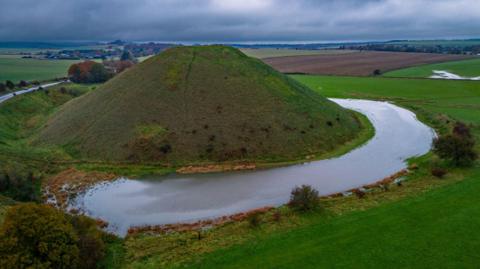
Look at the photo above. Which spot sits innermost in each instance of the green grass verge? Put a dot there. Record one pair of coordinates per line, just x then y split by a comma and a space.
466, 68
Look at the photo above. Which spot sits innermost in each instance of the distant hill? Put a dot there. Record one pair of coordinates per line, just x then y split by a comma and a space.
191, 104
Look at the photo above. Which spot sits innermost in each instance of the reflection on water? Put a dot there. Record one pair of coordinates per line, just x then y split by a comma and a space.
183, 198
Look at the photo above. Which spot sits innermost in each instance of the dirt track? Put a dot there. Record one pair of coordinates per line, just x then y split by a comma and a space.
356, 64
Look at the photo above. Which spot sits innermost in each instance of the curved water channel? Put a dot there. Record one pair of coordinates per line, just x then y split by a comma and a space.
186, 198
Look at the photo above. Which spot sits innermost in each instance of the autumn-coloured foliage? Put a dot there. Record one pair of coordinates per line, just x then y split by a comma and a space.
37, 236
88, 72
304, 198
457, 147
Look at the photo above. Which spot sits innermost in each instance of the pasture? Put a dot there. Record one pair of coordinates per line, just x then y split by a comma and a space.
466, 68
273, 53
356, 64
15, 68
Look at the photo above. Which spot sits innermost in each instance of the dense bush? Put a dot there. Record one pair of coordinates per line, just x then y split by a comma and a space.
88, 72
37, 236
22, 83
20, 186
10, 84
304, 198
457, 147
254, 220
90, 241
3, 88
438, 172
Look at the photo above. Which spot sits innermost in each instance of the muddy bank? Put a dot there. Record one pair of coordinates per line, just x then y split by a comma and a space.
61, 188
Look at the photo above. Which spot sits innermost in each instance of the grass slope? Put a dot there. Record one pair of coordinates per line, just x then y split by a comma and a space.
200, 104
434, 230
467, 68
15, 68
22, 116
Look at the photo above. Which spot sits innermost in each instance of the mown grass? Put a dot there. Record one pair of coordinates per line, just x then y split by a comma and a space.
16, 69
426, 223
466, 68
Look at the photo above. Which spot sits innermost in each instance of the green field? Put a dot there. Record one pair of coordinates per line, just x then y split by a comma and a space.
431, 229
456, 43
271, 53
14, 68
466, 68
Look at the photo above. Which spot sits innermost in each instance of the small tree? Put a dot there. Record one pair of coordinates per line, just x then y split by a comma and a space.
10, 84
22, 83
3, 88
90, 242
377, 72
127, 56
458, 147
37, 236
304, 198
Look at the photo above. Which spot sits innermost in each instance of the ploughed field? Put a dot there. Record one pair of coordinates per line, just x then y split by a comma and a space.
358, 63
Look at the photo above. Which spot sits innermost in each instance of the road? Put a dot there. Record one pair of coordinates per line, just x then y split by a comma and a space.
5, 97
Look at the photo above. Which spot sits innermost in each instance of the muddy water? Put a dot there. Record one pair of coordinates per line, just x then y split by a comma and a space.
184, 198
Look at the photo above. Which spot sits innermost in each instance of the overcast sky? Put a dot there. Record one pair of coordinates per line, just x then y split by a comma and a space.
237, 20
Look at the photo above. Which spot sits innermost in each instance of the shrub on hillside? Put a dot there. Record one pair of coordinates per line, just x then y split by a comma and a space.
18, 185
37, 236
9, 84
438, 172
304, 198
22, 83
90, 241
254, 220
88, 72
3, 88
457, 147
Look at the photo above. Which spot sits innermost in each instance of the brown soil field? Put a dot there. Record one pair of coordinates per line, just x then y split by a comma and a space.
356, 64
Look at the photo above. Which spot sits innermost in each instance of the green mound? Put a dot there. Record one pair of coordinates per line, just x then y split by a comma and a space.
193, 104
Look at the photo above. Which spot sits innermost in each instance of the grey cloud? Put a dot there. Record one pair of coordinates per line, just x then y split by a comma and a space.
237, 20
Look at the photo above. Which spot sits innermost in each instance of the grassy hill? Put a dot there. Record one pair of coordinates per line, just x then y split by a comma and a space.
193, 104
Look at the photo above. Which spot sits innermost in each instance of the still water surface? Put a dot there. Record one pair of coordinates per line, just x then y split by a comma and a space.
185, 198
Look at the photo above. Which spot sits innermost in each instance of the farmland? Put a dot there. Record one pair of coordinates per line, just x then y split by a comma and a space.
15, 68
273, 53
356, 64
467, 68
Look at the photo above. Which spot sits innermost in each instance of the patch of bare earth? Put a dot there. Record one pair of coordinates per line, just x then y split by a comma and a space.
60, 188
362, 63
